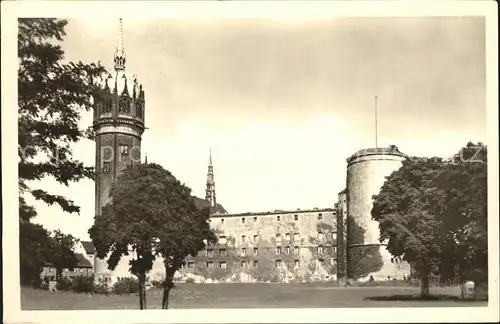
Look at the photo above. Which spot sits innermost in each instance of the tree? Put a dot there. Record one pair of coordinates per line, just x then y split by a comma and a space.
60, 253
192, 233
465, 221
51, 97
35, 246
407, 209
154, 214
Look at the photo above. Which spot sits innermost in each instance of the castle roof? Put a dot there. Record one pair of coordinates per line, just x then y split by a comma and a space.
88, 246
202, 203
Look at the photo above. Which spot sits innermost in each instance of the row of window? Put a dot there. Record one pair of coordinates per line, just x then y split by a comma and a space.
288, 238
248, 264
124, 151
124, 106
287, 250
81, 270
278, 218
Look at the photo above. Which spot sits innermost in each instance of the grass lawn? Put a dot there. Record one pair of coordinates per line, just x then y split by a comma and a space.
244, 296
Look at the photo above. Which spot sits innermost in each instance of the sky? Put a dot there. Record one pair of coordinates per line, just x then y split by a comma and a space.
282, 104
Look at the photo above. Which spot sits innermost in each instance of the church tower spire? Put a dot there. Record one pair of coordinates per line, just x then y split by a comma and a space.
119, 57
210, 192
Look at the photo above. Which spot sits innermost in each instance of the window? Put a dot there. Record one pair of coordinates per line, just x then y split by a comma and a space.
243, 264
255, 219
296, 217
124, 106
223, 264
278, 218
334, 249
296, 237
278, 250
222, 240
296, 250
210, 264
243, 238
321, 236
287, 237
255, 251
334, 236
278, 263
124, 149
210, 252
222, 252
255, 238
278, 237
107, 105
222, 220
243, 220
320, 263
288, 250
297, 263
138, 109
255, 264
320, 249
243, 252
320, 216
106, 167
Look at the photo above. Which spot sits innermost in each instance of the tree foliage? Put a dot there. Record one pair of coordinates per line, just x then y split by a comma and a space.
433, 214
51, 97
61, 255
40, 248
154, 214
34, 246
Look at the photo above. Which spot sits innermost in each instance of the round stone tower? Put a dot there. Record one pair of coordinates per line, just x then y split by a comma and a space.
366, 255
118, 124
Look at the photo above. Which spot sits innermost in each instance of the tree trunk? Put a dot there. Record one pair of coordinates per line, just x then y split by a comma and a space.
58, 274
424, 284
168, 284
142, 291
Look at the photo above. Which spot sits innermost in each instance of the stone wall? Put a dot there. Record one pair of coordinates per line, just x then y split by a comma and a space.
269, 247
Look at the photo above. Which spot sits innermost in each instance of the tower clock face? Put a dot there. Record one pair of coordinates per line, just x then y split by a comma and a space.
124, 106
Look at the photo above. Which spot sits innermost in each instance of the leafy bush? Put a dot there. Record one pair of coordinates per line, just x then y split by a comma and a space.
157, 283
64, 284
189, 280
82, 284
126, 286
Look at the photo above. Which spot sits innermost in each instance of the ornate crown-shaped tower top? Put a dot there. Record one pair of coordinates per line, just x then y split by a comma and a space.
122, 96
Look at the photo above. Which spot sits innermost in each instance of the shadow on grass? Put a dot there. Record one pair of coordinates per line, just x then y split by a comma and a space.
424, 298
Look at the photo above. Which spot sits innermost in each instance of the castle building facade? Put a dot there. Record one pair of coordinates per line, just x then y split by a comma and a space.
318, 244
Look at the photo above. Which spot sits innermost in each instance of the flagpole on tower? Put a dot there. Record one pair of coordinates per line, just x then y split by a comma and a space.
376, 126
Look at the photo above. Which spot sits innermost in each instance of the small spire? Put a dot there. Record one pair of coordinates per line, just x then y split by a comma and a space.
210, 158
119, 58
146, 158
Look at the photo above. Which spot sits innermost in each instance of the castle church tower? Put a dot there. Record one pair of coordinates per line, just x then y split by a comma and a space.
118, 124
210, 191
